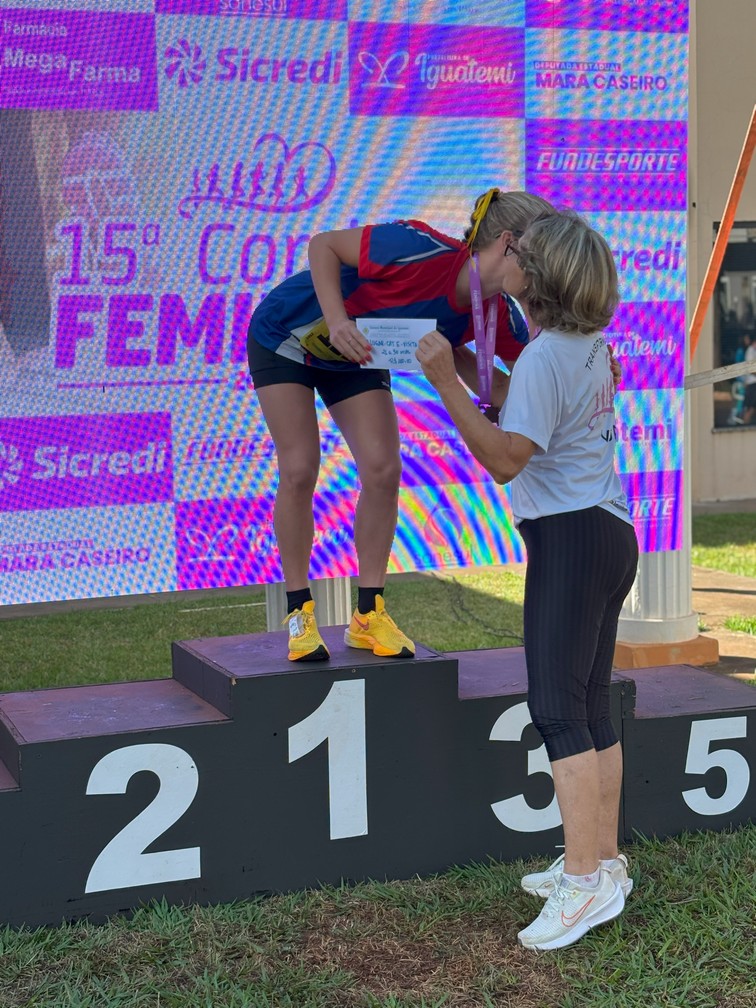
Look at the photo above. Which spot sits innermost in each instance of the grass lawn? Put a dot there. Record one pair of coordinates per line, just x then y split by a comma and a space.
726, 542
687, 938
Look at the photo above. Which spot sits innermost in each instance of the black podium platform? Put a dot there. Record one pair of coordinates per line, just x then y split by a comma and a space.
247, 774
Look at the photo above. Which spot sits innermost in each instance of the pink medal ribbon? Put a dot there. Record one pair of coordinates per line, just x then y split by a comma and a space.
485, 336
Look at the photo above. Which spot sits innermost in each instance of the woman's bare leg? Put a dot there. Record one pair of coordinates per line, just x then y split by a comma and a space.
289, 412
576, 782
369, 425
610, 789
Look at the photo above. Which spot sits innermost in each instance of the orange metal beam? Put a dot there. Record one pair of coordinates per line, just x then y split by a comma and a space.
723, 235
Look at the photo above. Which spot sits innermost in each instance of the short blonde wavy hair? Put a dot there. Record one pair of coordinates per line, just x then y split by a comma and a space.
570, 274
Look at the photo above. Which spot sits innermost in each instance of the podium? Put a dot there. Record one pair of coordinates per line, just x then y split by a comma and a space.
245, 773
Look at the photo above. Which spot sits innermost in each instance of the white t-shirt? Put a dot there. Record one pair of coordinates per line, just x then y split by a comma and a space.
561, 396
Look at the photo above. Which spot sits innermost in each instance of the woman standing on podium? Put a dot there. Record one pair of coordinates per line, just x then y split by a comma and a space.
555, 443
302, 338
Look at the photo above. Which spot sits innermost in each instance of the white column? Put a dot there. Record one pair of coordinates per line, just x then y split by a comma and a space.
658, 609
333, 602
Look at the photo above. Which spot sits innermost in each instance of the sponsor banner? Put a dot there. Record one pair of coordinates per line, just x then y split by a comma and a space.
435, 70
228, 454
453, 526
85, 461
656, 505
217, 457
332, 10
143, 243
87, 552
605, 75
649, 251
649, 342
485, 14
264, 63
73, 59
132, 6
609, 15
221, 543
648, 430
432, 448
589, 164
156, 277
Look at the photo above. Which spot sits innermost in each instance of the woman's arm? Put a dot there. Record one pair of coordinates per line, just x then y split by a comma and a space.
467, 369
327, 252
502, 454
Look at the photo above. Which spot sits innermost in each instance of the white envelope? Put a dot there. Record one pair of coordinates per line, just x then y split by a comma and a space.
394, 341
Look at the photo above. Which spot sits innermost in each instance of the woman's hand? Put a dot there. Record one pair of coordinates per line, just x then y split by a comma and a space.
435, 355
349, 341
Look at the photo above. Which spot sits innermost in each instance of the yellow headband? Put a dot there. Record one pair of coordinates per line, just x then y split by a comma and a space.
481, 208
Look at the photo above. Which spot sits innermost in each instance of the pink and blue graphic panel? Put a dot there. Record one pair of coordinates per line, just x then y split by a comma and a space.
332, 10
85, 461
588, 165
609, 15
178, 156
656, 506
436, 70
605, 75
73, 59
648, 341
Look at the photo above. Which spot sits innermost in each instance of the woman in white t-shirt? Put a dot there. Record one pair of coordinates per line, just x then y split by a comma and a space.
555, 443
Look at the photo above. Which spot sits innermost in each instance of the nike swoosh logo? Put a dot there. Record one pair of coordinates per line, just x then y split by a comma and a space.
568, 919
360, 624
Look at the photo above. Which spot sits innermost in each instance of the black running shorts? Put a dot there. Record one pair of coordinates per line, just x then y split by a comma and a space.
333, 386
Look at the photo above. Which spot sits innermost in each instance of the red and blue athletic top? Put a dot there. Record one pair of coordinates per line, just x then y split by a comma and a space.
406, 270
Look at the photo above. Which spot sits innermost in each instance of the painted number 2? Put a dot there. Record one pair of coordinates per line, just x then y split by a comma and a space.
123, 862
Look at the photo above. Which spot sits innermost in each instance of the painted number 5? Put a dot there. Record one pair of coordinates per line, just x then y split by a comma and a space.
123, 862
701, 759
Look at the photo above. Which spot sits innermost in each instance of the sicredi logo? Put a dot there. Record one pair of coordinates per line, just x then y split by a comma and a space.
85, 461
669, 257
186, 64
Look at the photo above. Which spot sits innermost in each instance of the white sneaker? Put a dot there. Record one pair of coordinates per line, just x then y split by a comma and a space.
571, 911
542, 883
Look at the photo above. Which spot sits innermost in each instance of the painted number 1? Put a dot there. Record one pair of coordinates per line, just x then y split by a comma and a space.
339, 720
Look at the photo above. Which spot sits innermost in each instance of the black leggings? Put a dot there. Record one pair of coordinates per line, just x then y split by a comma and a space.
581, 566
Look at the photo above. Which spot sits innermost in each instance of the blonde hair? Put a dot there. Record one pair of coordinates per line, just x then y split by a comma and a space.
570, 274
496, 211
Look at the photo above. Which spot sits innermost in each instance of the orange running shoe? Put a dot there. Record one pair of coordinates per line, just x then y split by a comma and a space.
376, 631
305, 642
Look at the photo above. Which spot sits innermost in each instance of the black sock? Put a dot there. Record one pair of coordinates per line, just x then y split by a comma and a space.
296, 599
366, 599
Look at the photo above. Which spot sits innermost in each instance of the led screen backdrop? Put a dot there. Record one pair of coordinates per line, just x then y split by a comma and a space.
162, 165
